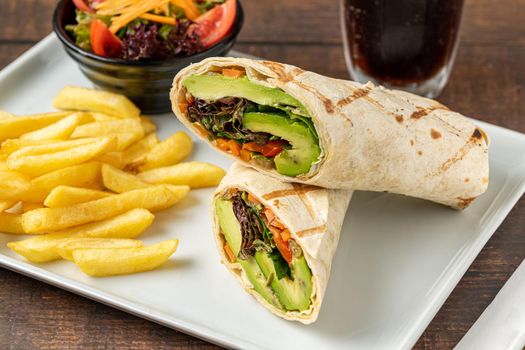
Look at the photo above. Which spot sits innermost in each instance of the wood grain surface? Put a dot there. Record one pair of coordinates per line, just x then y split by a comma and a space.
488, 83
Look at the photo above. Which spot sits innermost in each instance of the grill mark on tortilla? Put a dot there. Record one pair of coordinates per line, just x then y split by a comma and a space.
399, 119
328, 104
357, 94
280, 70
465, 202
291, 192
420, 112
459, 155
311, 231
435, 134
284, 77
302, 196
381, 107
476, 134
376, 104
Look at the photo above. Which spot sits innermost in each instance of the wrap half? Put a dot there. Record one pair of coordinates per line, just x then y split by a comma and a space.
299, 126
278, 239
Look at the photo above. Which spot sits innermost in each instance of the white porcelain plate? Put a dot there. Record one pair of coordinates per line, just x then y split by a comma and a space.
398, 258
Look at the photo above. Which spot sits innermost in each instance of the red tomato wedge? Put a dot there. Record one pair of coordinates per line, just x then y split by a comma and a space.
272, 148
213, 25
103, 42
82, 6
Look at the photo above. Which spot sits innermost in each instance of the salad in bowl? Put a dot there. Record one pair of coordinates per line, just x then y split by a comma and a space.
150, 29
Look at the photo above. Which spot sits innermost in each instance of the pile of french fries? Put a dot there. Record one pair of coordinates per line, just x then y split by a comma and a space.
87, 179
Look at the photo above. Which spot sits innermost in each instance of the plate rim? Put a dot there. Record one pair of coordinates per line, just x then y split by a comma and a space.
448, 280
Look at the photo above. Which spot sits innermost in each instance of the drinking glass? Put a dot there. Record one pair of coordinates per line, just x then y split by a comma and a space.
401, 44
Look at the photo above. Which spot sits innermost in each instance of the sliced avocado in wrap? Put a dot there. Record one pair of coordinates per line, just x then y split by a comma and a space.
244, 233
262, 121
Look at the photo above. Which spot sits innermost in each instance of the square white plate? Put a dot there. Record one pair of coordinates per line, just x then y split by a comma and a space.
398, 258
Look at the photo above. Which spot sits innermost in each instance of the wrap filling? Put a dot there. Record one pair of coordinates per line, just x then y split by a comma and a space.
274, 263
258, 124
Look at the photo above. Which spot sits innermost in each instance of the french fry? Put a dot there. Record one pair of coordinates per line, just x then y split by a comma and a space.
63, 196
14, 186
147, 125
119, 181
83, 99
140, 148
60, 130
13, 145
17, 208
82, 175
43, 248
39, 249
130, 224
31, 206
14, 127
109, 262
11, 223
115, 159
193, 174
168, 152
43, 146
109, 127
54, 219
30, 161
4, 205
6, 115
66, 248
124, 140
100, 117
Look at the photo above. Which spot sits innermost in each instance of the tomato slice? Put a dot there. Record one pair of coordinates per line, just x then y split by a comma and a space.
272, 148
82, 6
213, 25
103, 42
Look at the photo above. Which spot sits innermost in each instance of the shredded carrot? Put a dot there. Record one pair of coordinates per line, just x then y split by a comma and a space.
125, 11
245, 155
229, 253
222, 144
252, 199
232, 72
277, 224
285, 235
203, 132
235, 148
190, 10
275, 232
269, 215
183, 107
159, 19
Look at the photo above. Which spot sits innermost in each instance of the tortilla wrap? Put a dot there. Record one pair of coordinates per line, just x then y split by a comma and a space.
371, 138
313, 215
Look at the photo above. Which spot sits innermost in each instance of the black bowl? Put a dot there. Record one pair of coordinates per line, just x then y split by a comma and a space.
147, 83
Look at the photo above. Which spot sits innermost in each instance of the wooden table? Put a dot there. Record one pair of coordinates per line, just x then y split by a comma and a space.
487, 83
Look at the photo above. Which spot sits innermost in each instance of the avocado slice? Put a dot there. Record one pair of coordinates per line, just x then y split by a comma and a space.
232, 232
293, 294
305, 147
214, 87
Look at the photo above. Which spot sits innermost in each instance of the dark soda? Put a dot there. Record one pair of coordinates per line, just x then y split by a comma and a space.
400, 42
